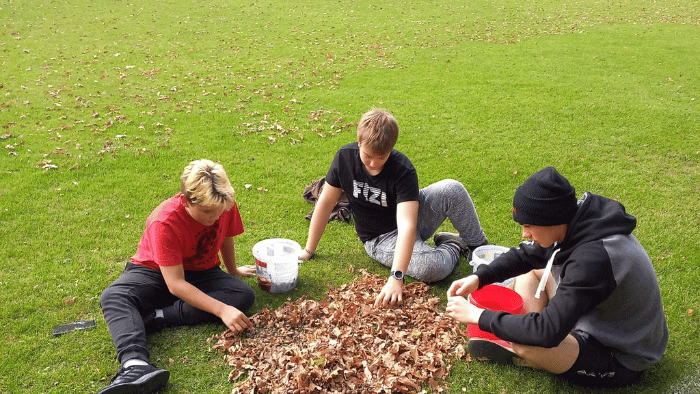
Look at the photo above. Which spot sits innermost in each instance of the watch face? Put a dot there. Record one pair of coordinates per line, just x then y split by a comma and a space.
397, 274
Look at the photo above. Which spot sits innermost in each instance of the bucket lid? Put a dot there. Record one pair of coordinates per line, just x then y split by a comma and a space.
487, 253
268, 248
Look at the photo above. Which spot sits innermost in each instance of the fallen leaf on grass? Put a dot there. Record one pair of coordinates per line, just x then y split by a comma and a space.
342, 344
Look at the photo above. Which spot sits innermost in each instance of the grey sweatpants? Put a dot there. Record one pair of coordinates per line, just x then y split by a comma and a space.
444, 199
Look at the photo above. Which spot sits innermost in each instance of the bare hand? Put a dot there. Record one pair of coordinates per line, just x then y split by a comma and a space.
391, 293
462, 310
246, 270
235, 320
464, 286
305, 256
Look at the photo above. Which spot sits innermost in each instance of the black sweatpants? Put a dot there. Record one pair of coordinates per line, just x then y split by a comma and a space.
140, 290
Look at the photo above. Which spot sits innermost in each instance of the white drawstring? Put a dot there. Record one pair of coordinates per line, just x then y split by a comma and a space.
545, 275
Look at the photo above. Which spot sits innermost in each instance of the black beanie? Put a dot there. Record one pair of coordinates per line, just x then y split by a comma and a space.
546, 198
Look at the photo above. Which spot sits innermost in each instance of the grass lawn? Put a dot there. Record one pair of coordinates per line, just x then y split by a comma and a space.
103, 103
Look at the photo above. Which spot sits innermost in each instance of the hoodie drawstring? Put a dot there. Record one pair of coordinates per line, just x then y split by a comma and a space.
545, 275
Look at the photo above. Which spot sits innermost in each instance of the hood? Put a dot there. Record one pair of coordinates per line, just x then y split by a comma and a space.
597, 217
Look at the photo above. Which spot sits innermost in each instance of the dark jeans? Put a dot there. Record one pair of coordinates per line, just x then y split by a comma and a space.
140, 290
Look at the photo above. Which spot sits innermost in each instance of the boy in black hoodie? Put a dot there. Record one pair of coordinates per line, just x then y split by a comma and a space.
594, 310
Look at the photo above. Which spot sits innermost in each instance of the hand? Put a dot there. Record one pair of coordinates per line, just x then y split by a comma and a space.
391, 293
235, 320
305, 256
246, 270
464, 286
462, 310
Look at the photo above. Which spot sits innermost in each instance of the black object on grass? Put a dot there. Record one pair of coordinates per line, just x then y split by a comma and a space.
79, 325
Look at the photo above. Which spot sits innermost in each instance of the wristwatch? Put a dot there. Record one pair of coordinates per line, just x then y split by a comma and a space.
398, 275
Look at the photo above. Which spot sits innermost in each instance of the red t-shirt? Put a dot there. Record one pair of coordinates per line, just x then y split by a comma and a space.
173, 237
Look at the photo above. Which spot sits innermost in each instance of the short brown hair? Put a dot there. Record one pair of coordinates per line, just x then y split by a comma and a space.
378, 130
205, 183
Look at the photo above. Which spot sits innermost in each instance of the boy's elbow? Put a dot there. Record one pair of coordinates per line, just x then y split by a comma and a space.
175, 289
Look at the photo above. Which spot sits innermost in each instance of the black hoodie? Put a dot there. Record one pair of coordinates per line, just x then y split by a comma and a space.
607, 288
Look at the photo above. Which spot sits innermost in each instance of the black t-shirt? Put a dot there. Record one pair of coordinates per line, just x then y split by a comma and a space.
373, 199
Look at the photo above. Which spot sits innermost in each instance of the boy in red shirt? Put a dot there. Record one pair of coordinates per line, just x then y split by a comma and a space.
175, 276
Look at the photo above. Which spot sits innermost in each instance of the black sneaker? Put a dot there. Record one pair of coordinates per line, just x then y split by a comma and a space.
153, 323
452, 238
464, 249
495, 351
137, 379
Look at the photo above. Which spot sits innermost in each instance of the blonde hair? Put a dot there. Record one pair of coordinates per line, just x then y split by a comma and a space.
205, 183
378, 130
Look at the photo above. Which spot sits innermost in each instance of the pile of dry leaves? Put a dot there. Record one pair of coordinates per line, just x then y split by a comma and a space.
344, 345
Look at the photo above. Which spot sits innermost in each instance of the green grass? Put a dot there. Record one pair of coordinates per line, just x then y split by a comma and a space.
103, 103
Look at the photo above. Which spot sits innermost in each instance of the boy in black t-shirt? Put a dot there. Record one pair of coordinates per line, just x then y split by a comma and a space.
393, 217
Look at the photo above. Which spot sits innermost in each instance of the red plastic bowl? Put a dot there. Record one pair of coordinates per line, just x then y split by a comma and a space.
495, 298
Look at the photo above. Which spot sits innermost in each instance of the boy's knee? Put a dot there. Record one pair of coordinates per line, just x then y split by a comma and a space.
120, 297
248, 298
107, 294
453, 188
241, 298
451, 184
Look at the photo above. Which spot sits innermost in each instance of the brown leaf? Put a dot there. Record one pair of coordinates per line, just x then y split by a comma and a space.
343, 344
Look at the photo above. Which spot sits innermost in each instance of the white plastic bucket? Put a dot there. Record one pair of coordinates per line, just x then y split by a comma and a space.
277, 264
486, 254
